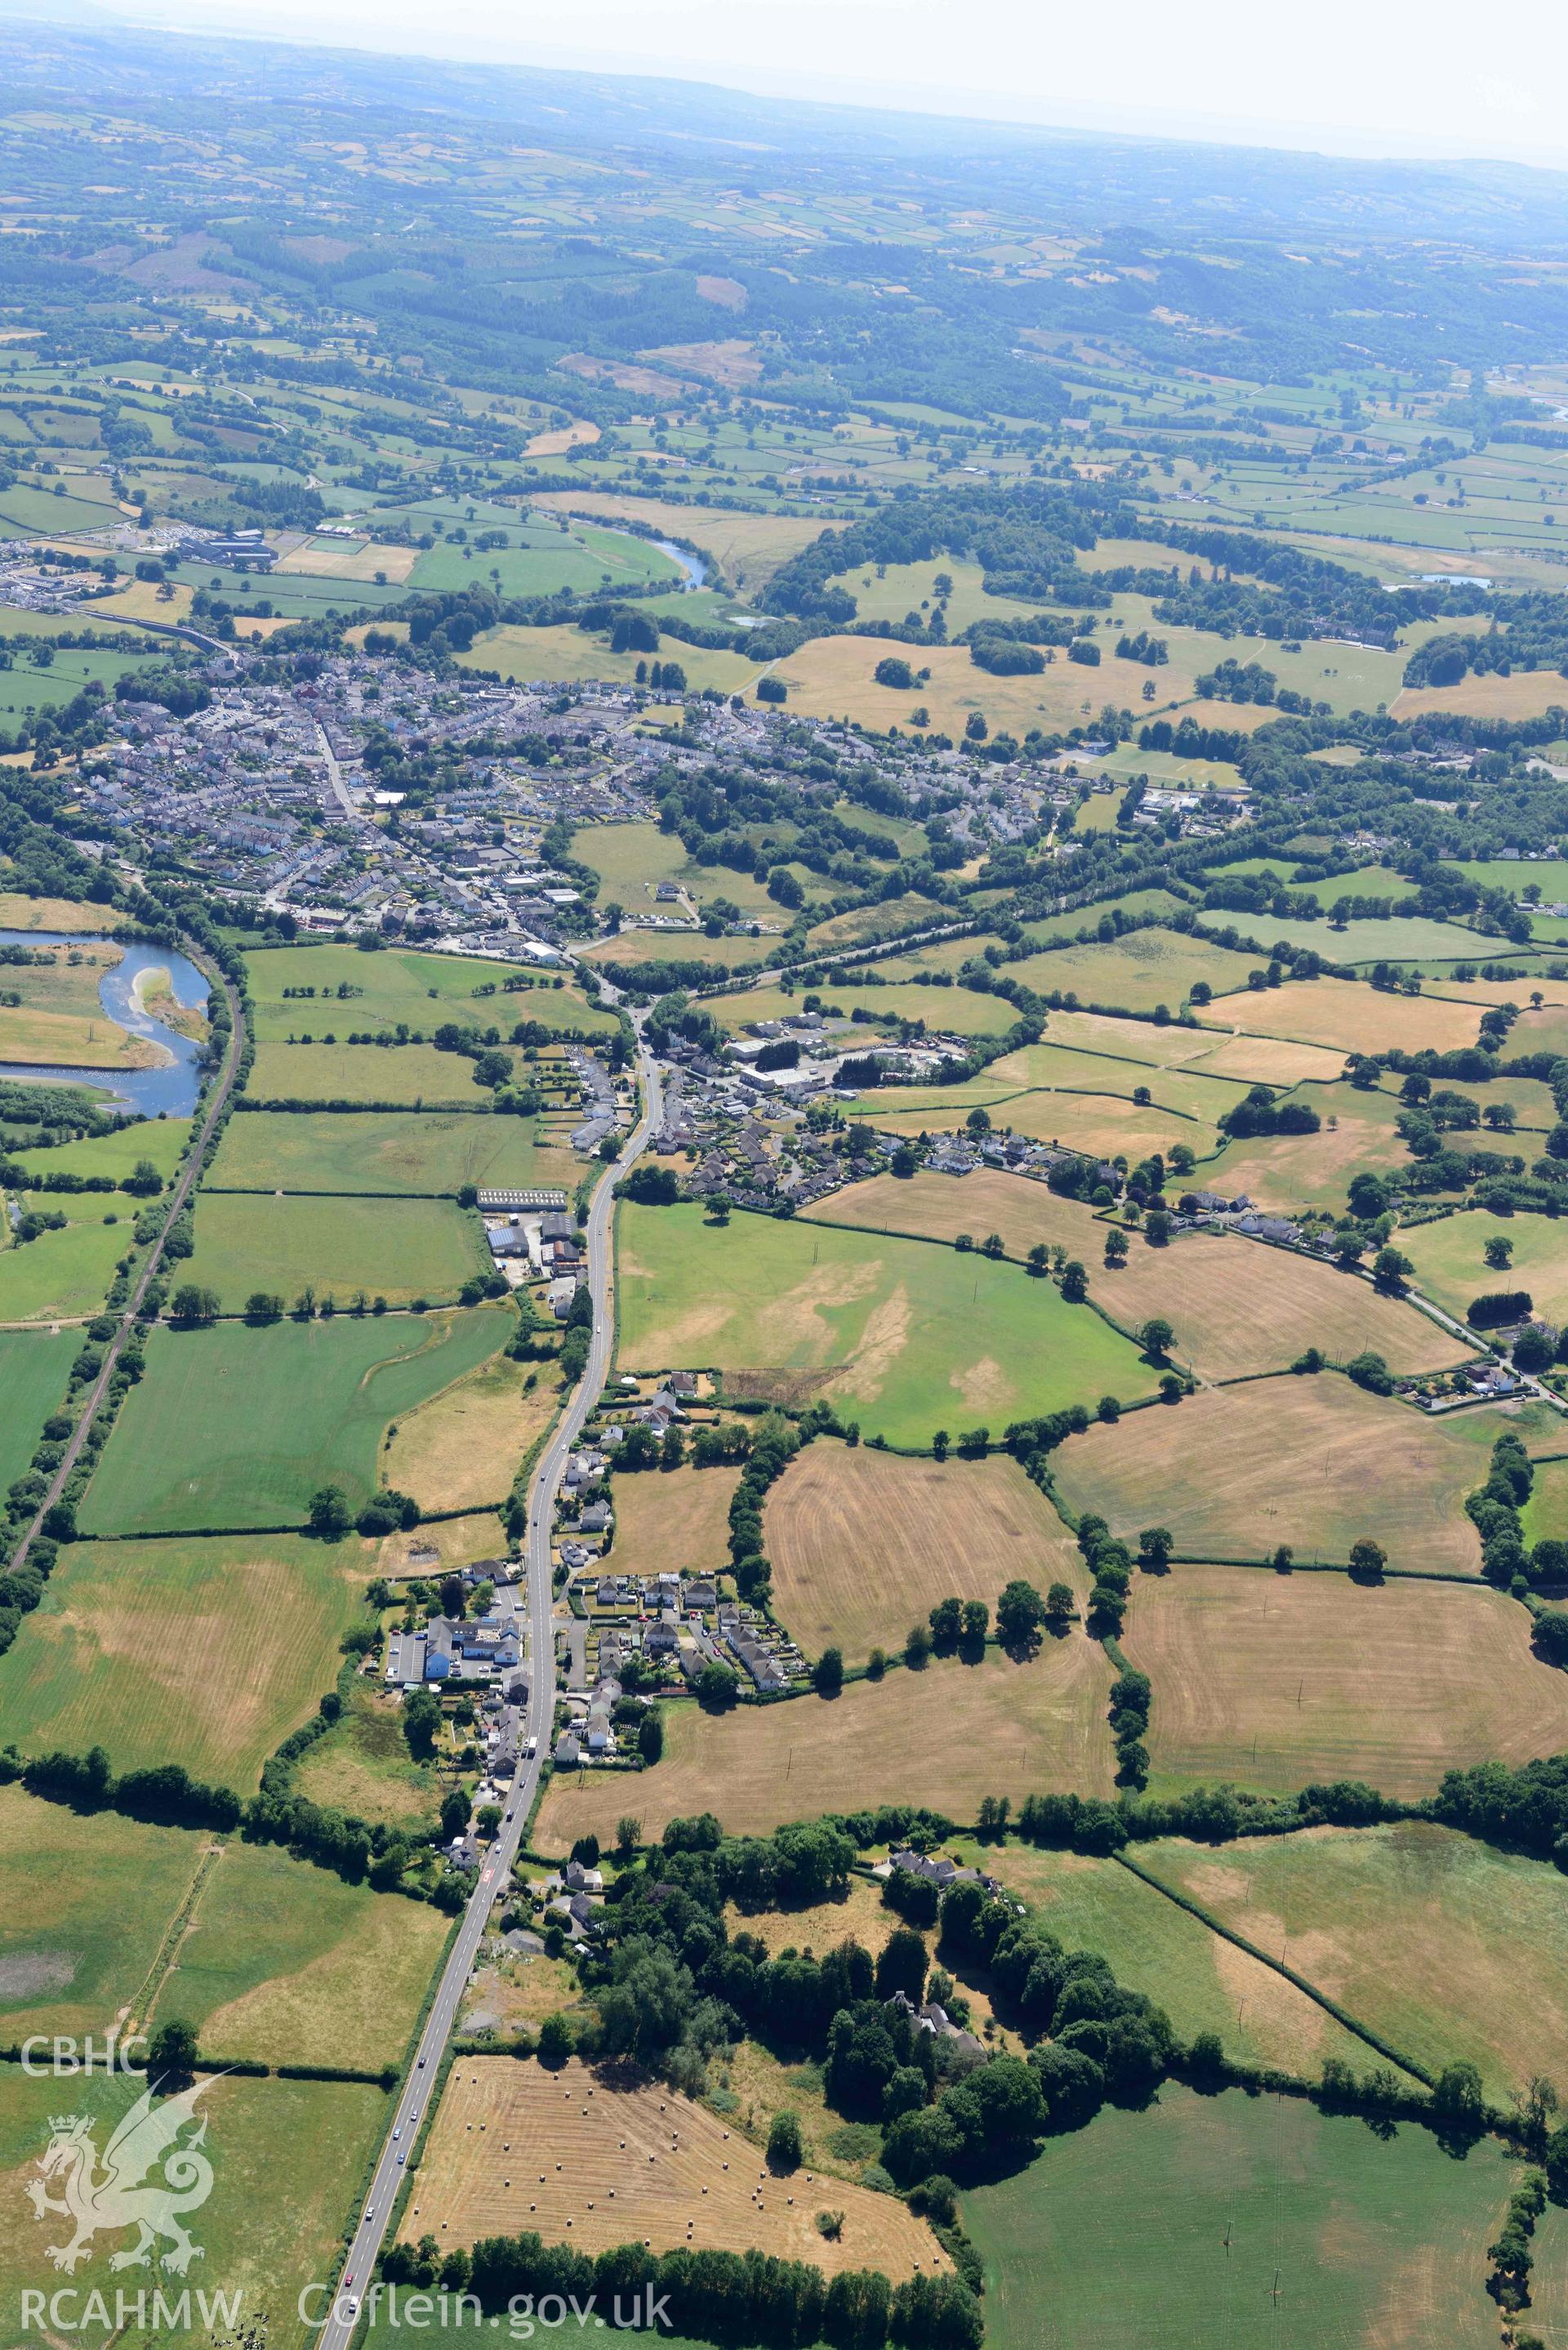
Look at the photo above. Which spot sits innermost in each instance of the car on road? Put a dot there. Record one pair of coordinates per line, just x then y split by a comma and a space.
399, 2131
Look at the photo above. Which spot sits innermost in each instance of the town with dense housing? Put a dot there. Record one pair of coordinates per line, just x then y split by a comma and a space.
784, 1218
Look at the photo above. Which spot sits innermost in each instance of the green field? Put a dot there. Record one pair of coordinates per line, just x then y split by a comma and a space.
401, 984
905, 1338
396, 1249
34, 1365
403, 1075
1449, 1258
159, 1139
540, 559
1402, 937
1135, 973
1203, 1982
279, 1960
24, 688
205, 1652
1240, 2220
1482, 1936
238, 1427
363, 1764
735, 951
63, 1276
286, 2157
421, 1153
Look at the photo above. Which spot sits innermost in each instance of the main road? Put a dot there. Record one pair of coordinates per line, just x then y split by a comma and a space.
414, 2090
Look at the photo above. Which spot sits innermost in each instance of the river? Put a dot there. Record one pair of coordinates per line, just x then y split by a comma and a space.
171, 1088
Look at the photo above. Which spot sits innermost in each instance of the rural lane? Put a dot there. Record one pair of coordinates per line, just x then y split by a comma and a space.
185, 1183
494, 1876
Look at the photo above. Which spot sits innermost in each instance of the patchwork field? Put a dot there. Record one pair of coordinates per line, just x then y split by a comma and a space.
1351, 1017
419, 1153
1315, 1463
1185, 1092
286, 2158
1449, 1258
33, 1367
673, 1521
62, 1277
627, 2163
1236, 2219
863, 1544
1482, 1936
461, 1449
1203, 1982
155, 1650
403, 1075
906, 1337
237, 1426
569, 656
1104, 1125
343, 1247
944, 1737
1236, 1308
374, 992
1276, 1680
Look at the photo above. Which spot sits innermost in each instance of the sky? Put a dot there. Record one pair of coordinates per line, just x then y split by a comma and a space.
1350, 77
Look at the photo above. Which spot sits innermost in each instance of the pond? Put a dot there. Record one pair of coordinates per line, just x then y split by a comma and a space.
173, 1085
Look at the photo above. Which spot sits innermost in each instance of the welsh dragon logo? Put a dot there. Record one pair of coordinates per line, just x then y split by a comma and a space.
116, 2197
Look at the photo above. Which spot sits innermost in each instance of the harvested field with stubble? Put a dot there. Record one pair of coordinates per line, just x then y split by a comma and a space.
1482, 1934
1237, 1308
1315, 1463
1276, 1680
1346, 1013
944, 1737
628, 2161
863, 1544
1203, 1982
673, 1521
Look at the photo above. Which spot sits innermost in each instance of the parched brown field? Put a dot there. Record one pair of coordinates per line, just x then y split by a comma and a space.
1525, 694
1275, 1680
350, 558
1236, 1307
1292, 1173
673, 1521
864, 1543
455, 1542
1315, 1463
20, 913
1267, 1060
1357, 1018
594, 2165
862, 1917
1103, 1125
462, 1450
944, 1737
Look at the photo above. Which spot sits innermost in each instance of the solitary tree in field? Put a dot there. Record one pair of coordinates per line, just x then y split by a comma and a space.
786, 2149
329, 1513
1039, 1258
1367, 1560
1155, 1337
828, 1673
1154, 1545
1075, 1281
1019, 1613
1499, 1253
172, 2058
1116, 1248
1059, 1605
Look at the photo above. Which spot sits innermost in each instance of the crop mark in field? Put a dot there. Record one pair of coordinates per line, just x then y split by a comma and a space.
882, 1342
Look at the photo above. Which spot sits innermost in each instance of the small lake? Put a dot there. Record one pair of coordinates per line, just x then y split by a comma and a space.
173, 1085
